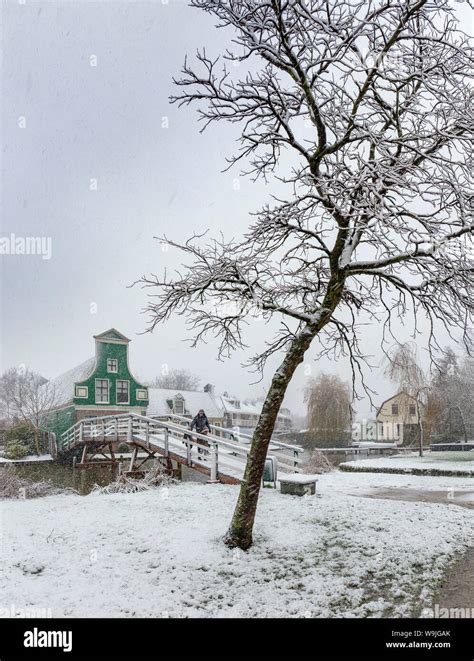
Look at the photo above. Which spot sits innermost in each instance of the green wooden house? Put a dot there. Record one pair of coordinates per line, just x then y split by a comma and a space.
102, 385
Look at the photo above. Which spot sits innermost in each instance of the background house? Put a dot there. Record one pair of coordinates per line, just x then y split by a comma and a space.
102, 385
397, 420
163, 402
245, 415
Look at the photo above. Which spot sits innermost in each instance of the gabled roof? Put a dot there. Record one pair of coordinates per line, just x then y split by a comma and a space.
64, 383
194, 400
112, 335
402, 392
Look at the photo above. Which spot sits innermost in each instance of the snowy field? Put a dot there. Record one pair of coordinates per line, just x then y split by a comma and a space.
159, 554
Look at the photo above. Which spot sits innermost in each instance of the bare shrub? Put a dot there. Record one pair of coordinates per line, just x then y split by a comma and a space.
127, 484
317, 462
12, 485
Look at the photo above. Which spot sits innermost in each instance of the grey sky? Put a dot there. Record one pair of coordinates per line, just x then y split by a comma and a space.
105, 123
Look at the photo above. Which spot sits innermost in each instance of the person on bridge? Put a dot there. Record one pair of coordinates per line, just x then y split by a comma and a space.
201, 423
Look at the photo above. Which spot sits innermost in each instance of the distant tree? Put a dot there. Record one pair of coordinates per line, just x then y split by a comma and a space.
451, 398
27, 396
328, 399
177, 379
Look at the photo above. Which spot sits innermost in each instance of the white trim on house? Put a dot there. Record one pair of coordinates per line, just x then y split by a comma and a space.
112, 408
85, 390
104, 337
141, 394
108, 391
116, 391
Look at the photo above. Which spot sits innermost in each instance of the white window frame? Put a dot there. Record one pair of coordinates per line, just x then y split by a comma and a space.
85, 388
116, 390
109, 369
108, 391
141, 394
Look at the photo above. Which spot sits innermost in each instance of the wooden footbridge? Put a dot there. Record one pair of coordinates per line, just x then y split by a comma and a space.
220, 455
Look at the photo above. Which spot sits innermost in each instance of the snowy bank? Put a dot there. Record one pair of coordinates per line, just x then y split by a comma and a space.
160, 553
432, 463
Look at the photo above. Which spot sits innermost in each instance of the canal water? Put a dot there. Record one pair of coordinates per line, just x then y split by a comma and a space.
64, 477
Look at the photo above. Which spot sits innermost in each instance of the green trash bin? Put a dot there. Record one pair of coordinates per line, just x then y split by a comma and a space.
271, 470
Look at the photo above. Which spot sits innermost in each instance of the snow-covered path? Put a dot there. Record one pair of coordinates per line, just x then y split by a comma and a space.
159, 553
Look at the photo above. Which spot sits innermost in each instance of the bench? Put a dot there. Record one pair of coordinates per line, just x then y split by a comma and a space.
298, 485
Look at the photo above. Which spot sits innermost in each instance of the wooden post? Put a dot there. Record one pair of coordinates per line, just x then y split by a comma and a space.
147, 434
134, 457
129, 429
84, 454
167, 442
295, 457
80, 432
213, 453
188, 451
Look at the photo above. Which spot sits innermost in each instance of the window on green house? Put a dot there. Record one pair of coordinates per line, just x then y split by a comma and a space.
101, 391
123, 392
112, 365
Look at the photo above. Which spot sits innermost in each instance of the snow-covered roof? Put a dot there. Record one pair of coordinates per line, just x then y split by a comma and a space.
246, 407
193, 401
64, 383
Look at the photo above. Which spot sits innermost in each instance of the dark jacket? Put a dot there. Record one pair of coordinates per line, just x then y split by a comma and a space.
200, 422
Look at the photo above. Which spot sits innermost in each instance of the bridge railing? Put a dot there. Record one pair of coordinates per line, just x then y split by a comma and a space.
223, 453
294, 450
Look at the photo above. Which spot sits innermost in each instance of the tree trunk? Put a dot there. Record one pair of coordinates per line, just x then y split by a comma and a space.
37, 441
420, 428
240, 530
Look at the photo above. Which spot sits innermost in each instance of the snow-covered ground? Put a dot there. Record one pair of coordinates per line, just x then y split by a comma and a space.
440, 461
159, 553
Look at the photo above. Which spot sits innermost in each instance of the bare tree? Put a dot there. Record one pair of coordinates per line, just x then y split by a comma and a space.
329, 410
28, 397
451, 395
177, 379
371, 155
8, 385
